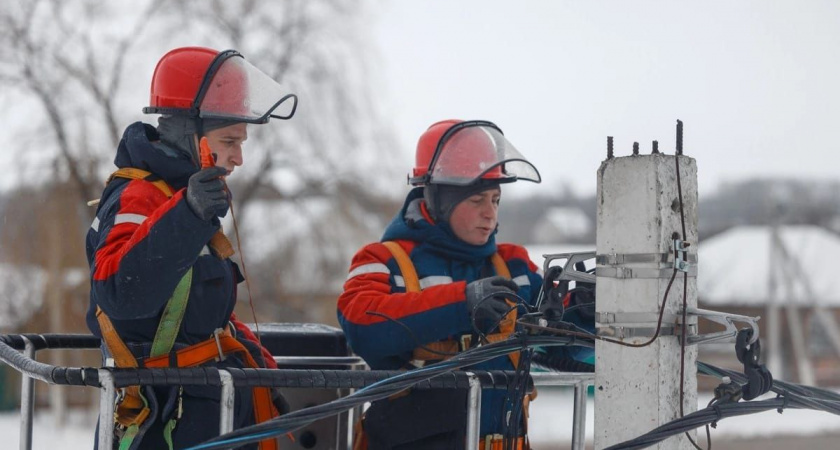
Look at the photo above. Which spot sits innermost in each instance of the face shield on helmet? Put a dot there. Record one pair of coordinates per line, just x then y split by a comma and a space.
238, 91
471, 151
200, 82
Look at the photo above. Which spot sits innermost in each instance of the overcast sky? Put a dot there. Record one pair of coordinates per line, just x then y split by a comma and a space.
755, 82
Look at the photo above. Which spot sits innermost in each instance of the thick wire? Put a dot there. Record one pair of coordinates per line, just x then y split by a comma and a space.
411, 334
789, 396
684, 327
517, 300
242, 260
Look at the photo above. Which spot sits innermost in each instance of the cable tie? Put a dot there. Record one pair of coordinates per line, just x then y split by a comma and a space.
784, 406
718, 413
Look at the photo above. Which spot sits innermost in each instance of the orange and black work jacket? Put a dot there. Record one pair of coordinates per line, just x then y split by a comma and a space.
444, 265
139, 246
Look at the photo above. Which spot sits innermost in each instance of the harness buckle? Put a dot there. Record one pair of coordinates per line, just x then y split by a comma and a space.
216, 333
180, 410
464, 342
117, 400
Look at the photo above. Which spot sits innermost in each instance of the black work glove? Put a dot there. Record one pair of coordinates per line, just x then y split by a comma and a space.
206, 194
486, 301
583, 300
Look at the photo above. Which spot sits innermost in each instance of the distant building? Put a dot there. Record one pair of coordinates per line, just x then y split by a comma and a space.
789, 271
563, 224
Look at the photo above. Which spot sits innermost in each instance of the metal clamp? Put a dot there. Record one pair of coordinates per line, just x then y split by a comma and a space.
642, 272
611, 265
726, 319
629, 324
623, 325
614, 259
682, 263
569, 271
216, 333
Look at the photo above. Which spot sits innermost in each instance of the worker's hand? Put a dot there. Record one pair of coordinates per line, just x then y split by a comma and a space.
486, 301
206, 194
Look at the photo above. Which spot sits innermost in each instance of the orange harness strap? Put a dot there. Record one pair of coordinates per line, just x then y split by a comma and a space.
209, 350
219, 242
412, 284
412, 281
452, 346
132, 410
496, 442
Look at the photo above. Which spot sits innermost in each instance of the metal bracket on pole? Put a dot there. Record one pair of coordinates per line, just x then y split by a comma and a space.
612, 265
726, 319
628, 325
636, 324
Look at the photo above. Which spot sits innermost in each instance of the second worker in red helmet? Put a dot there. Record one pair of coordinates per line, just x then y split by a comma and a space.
439, 272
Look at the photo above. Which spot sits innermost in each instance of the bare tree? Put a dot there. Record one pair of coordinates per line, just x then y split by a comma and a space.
82, 66
328, 168
52, 52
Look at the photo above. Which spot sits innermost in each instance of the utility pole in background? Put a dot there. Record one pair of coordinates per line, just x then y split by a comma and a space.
639, 213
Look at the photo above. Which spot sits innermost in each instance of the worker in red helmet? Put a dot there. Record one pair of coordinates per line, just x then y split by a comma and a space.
437, 284
163, 285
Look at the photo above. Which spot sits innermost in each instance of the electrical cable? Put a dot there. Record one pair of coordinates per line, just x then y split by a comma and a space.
244, 268
684, 327
517, 300
411, 334
789, 396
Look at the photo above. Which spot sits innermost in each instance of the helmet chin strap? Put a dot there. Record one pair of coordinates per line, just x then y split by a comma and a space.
199, 133
194, 151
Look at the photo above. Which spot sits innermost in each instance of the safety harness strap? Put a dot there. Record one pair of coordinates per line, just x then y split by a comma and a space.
173, 315
440, 349
132, 173
132, 410
435, 351
496, 442
221, 344
219, 242
508, 325
412, 281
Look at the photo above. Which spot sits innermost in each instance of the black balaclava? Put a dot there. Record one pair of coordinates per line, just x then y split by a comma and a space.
441, 199
178, 131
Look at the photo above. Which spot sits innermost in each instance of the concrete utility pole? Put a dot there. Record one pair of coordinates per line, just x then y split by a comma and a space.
638, 389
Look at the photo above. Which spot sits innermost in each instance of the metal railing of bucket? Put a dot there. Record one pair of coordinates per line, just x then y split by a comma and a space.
109, 380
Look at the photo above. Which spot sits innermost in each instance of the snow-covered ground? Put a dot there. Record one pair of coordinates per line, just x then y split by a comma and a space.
550, 426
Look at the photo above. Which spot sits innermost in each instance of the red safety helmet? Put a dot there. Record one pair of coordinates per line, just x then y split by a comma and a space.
202, 82
457, 152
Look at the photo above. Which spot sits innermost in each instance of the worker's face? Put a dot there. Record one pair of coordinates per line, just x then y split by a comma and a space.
226, 143
474, 219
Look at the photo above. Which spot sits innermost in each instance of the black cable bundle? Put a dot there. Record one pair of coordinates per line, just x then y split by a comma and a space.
514, 401
789, 395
